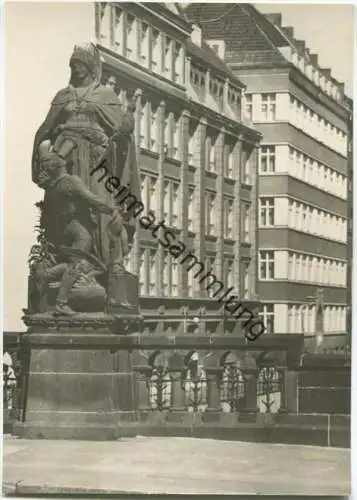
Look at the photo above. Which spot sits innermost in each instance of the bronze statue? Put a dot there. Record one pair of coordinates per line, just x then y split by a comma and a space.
83, 231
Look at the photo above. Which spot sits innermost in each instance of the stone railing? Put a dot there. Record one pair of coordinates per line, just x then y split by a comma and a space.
99, 385
12, 374
164, 381
211, 376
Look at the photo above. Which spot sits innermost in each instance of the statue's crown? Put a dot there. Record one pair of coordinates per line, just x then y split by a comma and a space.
86, 53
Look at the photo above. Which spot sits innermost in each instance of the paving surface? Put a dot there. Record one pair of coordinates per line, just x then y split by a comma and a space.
173, 465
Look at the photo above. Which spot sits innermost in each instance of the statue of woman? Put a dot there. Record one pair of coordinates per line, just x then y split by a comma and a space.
81, 121
79, 129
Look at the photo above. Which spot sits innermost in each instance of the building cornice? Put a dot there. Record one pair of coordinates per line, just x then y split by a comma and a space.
160, 12
319, 95
155, 84
119, 65
201, 61
299, 79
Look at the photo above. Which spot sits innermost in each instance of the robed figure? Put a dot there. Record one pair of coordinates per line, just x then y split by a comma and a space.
80, 131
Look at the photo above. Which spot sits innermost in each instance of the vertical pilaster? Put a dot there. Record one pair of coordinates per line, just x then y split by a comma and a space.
147, 262
161, 187
112, 15
172, 60
161, 42
184, 137
200, 229
187, 71
122, 30
137, 35
149, 47
219, 152
104, 20
254, 176
225, 95
207, 84
182, 66
98, 10
237, 214
136, 239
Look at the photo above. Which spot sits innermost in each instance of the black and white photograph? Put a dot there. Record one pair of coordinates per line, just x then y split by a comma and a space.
177, 248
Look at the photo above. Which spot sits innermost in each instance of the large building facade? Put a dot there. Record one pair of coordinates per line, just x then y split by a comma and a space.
197, 159
304, 172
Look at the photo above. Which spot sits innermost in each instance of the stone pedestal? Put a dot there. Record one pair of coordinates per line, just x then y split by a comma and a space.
76, 385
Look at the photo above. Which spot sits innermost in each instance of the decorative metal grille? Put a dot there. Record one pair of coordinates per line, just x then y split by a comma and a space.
11, 387
194, 385
159, 387
269, 389
232, 388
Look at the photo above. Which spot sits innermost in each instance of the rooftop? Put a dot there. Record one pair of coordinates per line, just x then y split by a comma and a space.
254, 39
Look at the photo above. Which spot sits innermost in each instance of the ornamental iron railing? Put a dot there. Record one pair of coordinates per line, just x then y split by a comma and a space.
269, 389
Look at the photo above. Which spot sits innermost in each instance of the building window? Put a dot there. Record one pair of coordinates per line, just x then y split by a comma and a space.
266, 212
168, 57
142, 273
245, 281
267, 159
171, 203
230, 163
190, 282
234, 102
154, 129
246, 222
177, 62
166, 276
152, 272
128, 260
197, 79
130, 27
170, 276
193, 143
268, 107
266, 265
248, 106
149, 193
210, 268
228, 219
191, 209
168, 134
176, 137
216, 90
118, 26
144, 43
210, 154
267, 315
155, 50
229, 276
245, 171
174, 277
210, 213
145, 125
152, 205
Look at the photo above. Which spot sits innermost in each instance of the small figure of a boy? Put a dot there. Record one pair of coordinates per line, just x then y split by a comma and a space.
72, 205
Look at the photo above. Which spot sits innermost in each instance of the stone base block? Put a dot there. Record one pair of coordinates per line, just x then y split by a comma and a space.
76, 389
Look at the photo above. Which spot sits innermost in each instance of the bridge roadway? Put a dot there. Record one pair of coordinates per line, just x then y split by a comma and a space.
173, 465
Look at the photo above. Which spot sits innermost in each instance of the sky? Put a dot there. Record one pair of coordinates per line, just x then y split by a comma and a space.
38, 41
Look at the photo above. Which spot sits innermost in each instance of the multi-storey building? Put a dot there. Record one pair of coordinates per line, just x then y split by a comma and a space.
304, 177
197, 159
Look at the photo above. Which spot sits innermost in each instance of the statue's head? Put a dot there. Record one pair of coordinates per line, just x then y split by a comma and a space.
85, 64
51, 163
